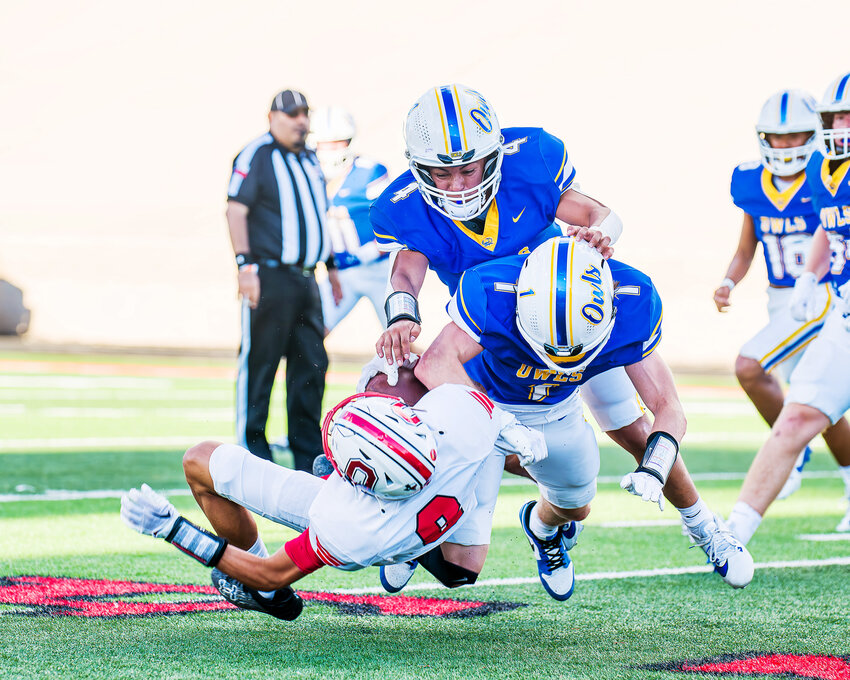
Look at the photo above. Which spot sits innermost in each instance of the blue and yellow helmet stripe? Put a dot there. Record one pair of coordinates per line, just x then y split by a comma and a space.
451, 117
563, 264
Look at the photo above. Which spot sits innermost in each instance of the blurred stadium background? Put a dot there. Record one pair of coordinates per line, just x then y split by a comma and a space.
121, 121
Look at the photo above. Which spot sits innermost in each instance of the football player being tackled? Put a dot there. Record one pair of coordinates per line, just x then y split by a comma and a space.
407, 478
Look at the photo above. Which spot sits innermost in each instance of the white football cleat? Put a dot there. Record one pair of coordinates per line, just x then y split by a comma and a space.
394, 577
795, 479
725, 552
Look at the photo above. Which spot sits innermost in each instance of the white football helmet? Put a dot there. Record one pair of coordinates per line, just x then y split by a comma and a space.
835, 143
378, 443
450, 126
331, 124
786, 112
565, 303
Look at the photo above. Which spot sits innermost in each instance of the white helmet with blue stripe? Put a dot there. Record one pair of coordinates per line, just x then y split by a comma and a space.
565, 303
450, 126
835, 142
787, 112
328, 126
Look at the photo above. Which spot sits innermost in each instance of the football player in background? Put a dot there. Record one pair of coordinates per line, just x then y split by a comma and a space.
819, 392
475, 192
779, 214
353, 182
530, 330
408, 479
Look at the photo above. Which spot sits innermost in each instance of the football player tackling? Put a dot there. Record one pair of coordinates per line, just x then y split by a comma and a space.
530, 330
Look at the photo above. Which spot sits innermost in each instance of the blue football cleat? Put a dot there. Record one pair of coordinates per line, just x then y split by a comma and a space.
394, 577
554, 566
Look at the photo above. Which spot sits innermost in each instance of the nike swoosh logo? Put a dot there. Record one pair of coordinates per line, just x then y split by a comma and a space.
722, 569
805, 199
516, 219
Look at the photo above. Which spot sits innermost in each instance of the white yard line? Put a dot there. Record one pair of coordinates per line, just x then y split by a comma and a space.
71, 494
605, 576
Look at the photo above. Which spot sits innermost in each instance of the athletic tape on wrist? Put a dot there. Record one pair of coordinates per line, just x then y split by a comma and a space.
612, 226
401, 305
661, 452
199, 543
729, 283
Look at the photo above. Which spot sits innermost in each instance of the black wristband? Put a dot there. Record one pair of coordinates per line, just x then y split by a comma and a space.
196, 542
330, 263
244, 258
662, 449
401, 305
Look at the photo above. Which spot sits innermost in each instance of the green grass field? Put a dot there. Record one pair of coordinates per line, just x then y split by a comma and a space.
75, 431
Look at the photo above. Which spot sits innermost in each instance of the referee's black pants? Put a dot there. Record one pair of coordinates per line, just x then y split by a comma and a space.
286, 323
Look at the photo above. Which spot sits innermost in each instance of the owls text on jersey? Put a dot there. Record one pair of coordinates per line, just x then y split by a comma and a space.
535, 172
484, 306
784, 221
831, 197
350, 529
348, 214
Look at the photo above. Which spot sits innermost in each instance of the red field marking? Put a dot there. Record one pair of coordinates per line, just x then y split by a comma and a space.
99, 598
818, 666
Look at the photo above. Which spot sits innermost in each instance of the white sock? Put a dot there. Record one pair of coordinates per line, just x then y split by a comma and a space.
259, 549
845, 475
538, 527
697, 514
743, 521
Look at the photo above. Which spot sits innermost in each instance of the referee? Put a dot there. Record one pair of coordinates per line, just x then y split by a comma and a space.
276, 216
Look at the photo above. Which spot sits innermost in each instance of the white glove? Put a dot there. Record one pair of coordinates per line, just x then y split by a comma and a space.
529, 445
380, 365
644, 485
148, 512
803, 302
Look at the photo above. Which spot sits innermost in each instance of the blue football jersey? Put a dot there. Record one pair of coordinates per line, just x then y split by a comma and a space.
348, 214
484, 305
831, 198
784, 220
536, 170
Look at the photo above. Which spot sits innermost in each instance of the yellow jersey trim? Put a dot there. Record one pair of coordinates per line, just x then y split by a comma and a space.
832, 182
490, 236
780, 199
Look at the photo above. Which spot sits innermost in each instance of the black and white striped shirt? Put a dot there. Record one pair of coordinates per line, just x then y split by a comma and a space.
285, 195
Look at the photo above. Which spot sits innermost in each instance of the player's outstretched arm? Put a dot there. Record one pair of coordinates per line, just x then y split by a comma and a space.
150, 513
654, 383
740, 264
402, 307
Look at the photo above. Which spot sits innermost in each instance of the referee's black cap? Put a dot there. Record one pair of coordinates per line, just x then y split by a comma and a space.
289, 101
